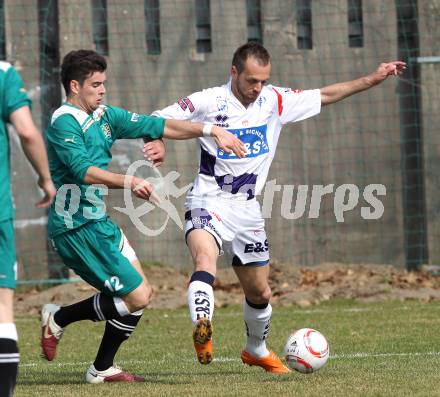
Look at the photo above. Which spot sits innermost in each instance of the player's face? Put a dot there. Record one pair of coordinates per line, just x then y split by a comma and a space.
248, 84
90, 94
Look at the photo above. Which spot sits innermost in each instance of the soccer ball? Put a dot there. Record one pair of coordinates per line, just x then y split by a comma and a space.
306, 350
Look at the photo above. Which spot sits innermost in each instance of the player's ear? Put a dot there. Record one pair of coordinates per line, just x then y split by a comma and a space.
74, 86
234, 71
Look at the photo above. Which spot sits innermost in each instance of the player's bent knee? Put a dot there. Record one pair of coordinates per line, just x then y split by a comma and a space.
139, 298
203, 262
138, 303
266, 295
260, 297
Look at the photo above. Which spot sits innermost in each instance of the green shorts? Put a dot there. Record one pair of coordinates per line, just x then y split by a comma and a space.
8, 260
93, 251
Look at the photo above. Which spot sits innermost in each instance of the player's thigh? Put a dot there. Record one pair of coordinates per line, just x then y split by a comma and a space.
203, 239
128, 251
251, 259
204, 250
93, 251
250, 246
140, 296
6, 305
8, 262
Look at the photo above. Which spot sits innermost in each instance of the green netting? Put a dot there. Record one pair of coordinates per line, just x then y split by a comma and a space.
159, 51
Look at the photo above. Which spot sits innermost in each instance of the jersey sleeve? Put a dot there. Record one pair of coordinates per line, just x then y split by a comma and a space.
192, 107
15, 95
128, 125
66, 138
297, 105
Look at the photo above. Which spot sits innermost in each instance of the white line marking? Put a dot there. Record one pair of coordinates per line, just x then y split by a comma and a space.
286, 314
23, 223
368, 355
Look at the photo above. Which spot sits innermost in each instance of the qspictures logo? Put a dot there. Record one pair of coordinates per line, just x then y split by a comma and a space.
296, 201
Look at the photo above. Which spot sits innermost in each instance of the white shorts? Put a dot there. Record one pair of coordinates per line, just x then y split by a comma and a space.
126, 248
239, 224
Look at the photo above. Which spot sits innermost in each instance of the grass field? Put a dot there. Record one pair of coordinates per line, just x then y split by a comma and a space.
386, 349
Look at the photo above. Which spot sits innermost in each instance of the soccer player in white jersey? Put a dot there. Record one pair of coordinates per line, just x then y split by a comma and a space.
221, 206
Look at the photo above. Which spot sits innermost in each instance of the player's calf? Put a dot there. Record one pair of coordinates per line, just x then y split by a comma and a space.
116, 332
9, 358
201, 308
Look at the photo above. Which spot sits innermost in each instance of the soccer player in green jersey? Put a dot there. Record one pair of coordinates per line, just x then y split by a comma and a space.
79, 141
15, 109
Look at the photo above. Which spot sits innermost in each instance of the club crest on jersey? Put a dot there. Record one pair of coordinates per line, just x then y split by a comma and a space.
105, 128
261, 100
222, 104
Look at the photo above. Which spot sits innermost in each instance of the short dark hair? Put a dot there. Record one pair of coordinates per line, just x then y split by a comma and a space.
248, 50
79, 65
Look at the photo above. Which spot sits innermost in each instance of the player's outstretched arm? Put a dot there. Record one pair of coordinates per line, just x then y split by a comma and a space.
33, 147
336, 92
140, 187
229, 143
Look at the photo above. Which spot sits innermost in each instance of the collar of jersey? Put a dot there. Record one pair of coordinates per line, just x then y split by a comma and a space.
233, 98
89, 120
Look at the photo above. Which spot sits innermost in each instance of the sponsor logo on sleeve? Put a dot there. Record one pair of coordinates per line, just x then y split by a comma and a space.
297, 91
185, 103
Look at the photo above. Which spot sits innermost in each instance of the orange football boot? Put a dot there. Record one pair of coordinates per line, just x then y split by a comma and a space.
271, 363
202, 337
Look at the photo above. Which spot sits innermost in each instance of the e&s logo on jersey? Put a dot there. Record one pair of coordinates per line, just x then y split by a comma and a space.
254, 139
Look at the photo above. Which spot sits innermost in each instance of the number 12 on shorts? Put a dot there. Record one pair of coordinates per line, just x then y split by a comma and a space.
113, 284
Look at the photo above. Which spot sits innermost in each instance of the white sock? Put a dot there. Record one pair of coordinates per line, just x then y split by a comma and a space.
8, 331
121, 307
200, 300
257, 329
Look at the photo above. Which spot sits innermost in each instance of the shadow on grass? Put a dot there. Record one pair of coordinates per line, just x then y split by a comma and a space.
76, 377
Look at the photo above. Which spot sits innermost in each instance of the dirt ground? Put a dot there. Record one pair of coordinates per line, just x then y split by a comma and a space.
291, 285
